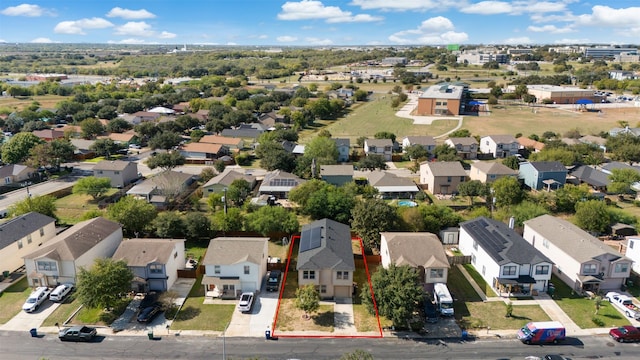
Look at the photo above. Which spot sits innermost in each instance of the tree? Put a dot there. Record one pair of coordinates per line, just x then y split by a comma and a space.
307, 299
274, 157
472, 189
460, 133
509, 309
511, 162
197, 226
417, 151
319, 200
397, 292
51, 153
569, 195
438, 217
118, 125
372, 162
105, 147
168, 224
231, 221
526, 210
16, 150
272, 219
91, 127
45, 205
135, 215
371, 217
593, 216
103, 284
507, 191
598, 303
238, 191
385, 135
165, 140
621, 180
93, 186
444, 152
166, 160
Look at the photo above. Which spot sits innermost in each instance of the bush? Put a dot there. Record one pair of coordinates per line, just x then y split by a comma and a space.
596, 320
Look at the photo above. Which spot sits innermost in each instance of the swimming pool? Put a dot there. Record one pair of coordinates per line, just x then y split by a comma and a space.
408, 203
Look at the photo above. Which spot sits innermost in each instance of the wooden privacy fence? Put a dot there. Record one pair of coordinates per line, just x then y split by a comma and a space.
459, 260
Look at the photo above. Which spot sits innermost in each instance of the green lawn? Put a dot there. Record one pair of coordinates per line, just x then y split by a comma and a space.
492, 314
195, 315
488, 291
63, 312
460, 288
70, 208
12, 298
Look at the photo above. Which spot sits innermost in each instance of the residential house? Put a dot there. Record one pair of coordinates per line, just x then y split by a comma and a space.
162, 188
154, 262
234, 144
48, 134
596, 179
271, 118
59, 260
246, 131
234, 265
325, 258
279, 183
293, 148
203, 152
581, 260
125, 138
594, 140
344, 148
488, 172
633, 252
625, 130
218, 183
21, 235
202, 115
503, 258
530, 145
499, 146
83, 149
337, 175
382, 147
543, 174
15, 173
466, 147
427, 142
144, 116
391, 186
442, 177
121, 173
422, 251
610, 166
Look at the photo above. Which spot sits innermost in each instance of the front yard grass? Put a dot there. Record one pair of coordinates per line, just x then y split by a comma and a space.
12, 298
488, 291
492, 314
71, 208
293, 318
63, 312
195, 315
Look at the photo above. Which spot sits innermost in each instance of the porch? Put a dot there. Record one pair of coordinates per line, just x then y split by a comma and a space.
221, 287
515, 287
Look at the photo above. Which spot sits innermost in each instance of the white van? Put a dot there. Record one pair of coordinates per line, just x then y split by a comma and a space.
37, 297
59, 293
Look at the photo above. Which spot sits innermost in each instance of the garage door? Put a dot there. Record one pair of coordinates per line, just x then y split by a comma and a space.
342, 291
248, 286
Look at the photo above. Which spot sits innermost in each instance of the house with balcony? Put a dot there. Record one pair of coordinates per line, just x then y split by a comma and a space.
499, 146
154, 262
466, 147
325, 258
121, 173
548, 175
442, 177
503, 258
382, 147
22, 235
582, 261
58, 260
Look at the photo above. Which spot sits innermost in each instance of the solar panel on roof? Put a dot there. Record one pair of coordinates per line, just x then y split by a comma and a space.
310, 239
305, 239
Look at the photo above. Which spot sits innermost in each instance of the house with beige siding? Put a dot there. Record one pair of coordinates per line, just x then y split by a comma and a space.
488, 172
442, 177
22, 235
121, 173
466, 147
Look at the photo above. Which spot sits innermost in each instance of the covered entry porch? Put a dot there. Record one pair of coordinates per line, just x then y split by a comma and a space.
520, 286
223, 287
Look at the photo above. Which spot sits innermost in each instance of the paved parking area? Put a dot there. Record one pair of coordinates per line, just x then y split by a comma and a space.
26, 321
261, 317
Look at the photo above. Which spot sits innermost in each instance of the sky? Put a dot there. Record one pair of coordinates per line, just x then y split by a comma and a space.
282, 23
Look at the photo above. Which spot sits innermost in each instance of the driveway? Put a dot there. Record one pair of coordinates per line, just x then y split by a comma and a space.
25, 321
260, 318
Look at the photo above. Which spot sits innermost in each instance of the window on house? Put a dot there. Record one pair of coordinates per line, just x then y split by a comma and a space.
41, 231
509, 270
29, 239
621, 268
247, 270
436, 273
462, 178
228, 288
475, 245
545, 243
99, 172
589, 268
19, 244
542, 269
631, 244
155, 268
473, 258
342, 275
117, 172
47, 266
448, 179
484, 269
309, 274
216, 269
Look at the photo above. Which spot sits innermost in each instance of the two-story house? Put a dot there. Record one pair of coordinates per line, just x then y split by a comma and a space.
499, 146
488, 172
15, 173
442, 177
121, 173
337, 175
325, 258
633, 252
382, 147
59, 260
466, 147
218, 183
234, 265
427, 142
392, 186
344, 148
538, 175
154, 262
279, 183
504, 259
581, 260
420, 250
21, 235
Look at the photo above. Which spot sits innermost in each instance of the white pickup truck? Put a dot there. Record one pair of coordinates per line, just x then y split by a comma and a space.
625, 304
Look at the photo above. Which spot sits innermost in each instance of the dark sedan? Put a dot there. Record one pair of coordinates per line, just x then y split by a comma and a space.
149, 313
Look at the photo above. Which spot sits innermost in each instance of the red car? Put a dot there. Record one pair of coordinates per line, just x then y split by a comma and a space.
625, 334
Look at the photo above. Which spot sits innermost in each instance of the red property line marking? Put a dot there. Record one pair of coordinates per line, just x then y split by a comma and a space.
284, 281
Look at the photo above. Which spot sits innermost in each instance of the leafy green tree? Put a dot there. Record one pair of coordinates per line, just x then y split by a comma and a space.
238, 191
103, 284
370, 217
526, 210
360, 95
105, 147
593, 216
45, 205
397, 292
107, 112
444, 152
372, 162
51, 153
231, 221
274, 157
624, 147
323, 149
91, 127
307, 299
197, 226
16, 150
385, 135
411, 219
472, 189
166, 160
621, 180
169, 224
135, 215
460, 133
438, 217
93, 186
511, 162
507, 191
569, 195
165, 140
417, 152
118, 125
271, 219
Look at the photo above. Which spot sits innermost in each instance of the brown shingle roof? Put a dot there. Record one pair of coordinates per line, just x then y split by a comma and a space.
215, 139
233, 250
493, 168
141, 252
202, 148
445, 168
416, 249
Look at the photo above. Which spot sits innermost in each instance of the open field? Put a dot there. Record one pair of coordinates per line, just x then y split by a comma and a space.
46, 101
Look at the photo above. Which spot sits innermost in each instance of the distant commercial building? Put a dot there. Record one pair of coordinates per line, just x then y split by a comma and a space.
476, 58
632, 56
442, 99
45, 77
606, 52
520, 51
391, 61
567, 49
561, 94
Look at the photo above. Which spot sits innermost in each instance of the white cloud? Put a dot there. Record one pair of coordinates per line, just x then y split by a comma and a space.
318, 41
286, 38
77, 27
263, 36
492, 7
43, 40
516, 41
572, 41
402, 5
488, 8
312, 9
130, 14
433, 31
135, 28
607, 16
306, 27
132, 41
166, 35
550, 29
231, 44
28, 10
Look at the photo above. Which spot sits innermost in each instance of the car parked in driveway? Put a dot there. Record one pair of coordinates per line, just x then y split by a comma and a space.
430, 311
60, 292
149, 313
246, 302
37, 297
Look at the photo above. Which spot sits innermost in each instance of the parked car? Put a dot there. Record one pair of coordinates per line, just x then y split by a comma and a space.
625, 333
273, 280
542, 332
430, 311
246, 302
135, 146
77, 333
37, 297
60, 292
149, 313
148, 300
624, 303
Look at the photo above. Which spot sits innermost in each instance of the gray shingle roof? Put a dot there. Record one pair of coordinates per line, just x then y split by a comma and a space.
591, 176
233, 250
495, 168
445, 168
463, 140
503, 139
416, 249
117, 165
141, 252
329, 170
18, 227
379, 142
335, 251
342, 142
549, 166
502, 243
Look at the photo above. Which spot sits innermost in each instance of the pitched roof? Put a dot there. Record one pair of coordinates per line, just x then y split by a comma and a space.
342, 142
114, 165
463, 140
216, 139
502, 243
421, 140
48, 133
333, 170
80, 238
416, 249
234, 250
502, 139
548, 166
202, 148
379, 178
122, 137
493, 168
141, 252
530, 143
14, 229
379, 142
569, 238
14, 169
273, 181
445, 168
228, 176
334, 249
591, 139
591, 176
